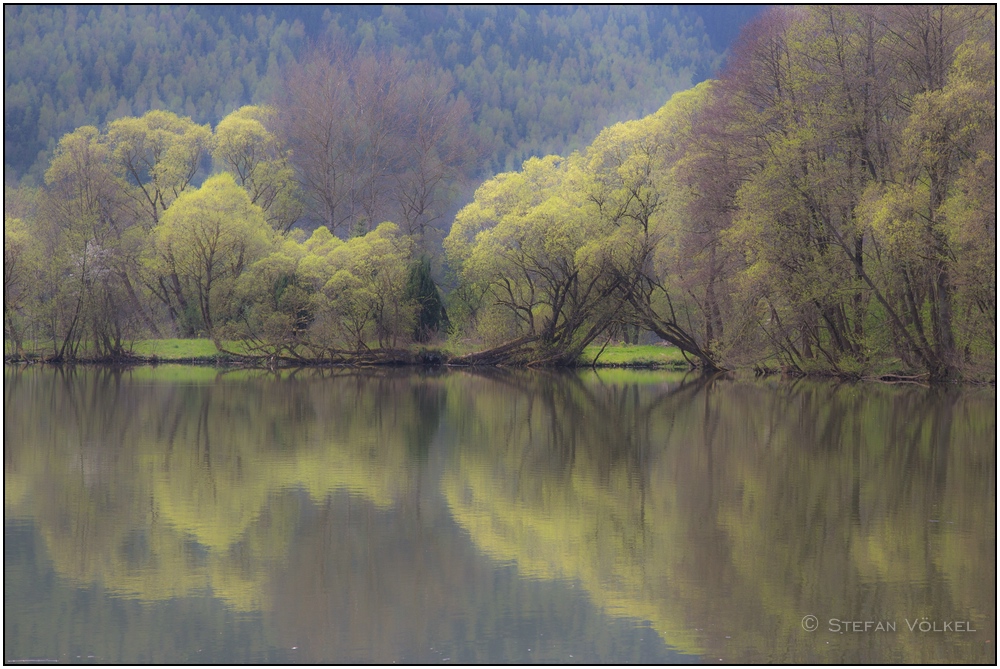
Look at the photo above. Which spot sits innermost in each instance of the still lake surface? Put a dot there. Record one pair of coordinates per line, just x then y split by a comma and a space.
176, 515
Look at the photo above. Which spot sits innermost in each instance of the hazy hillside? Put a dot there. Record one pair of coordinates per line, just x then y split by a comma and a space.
539, 79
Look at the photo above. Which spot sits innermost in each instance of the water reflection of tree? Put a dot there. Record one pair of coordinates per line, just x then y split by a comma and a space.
317, 505
158, 484
711, 507
754, 503
555, 412
404, 585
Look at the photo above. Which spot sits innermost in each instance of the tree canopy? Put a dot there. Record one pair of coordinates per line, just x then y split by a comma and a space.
827, 205
809, 211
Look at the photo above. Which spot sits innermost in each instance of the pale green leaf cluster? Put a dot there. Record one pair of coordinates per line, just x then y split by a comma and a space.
245, 146
159, 153
865, 155
569, 248
125, 241
206, 240
320, 295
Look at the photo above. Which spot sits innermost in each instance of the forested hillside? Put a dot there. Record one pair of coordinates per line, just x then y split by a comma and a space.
538, 79
827, 204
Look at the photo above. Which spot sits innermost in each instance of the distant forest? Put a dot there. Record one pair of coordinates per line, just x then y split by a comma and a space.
538, 79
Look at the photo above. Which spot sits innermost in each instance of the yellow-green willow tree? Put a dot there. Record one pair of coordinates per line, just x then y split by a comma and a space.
89, 241
105, 191
245, 145
644, 199
16, 278
117, 185
536, 242
569, 247
205, 241
326, 298
862, 131
936, 218
159, 154
365, 295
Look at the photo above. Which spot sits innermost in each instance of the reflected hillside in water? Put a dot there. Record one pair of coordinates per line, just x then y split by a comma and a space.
723, 512
159, 485
718, 511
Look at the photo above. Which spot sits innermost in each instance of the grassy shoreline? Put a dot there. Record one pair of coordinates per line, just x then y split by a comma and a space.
204, 352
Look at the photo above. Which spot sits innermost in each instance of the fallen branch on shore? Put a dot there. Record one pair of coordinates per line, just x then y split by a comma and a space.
918, 379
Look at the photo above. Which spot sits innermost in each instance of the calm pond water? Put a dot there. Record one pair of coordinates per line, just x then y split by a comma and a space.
175, 515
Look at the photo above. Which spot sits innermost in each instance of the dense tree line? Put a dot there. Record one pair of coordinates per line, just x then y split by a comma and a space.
121, 242
827, 205
538, 79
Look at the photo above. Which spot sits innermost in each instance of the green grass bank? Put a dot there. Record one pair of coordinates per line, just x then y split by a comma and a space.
203, 351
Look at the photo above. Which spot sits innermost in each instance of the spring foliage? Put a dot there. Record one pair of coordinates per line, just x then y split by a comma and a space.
823, 207
827, 205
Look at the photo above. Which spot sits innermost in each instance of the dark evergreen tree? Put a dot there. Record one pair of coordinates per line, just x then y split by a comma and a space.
421, 289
